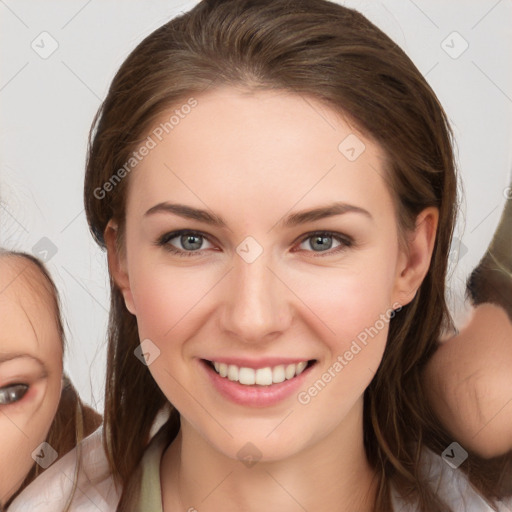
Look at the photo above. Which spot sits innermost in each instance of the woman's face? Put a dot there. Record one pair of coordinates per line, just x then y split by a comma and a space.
30, 374
250, 287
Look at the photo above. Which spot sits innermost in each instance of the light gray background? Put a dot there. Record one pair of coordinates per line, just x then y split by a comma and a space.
47, 105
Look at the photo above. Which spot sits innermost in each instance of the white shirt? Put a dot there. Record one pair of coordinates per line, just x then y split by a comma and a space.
96, 491
452, 486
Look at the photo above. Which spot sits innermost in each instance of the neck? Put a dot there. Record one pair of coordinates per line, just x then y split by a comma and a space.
332, 474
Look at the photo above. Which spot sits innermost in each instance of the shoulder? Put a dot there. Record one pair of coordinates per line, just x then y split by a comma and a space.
469, 380
95, 490
451, 485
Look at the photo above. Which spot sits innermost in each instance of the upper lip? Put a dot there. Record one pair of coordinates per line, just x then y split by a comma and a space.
263, 362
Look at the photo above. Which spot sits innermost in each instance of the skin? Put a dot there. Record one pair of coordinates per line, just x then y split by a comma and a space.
468, 381
254, 159
30, 353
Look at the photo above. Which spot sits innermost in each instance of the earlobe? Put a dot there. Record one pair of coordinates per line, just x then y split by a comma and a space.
117, 264
414, 263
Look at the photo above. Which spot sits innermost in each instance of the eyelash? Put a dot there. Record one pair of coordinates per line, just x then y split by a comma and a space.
7, 391
164, 240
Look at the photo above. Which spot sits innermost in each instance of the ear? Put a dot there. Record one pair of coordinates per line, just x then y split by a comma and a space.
117, 264
414, 260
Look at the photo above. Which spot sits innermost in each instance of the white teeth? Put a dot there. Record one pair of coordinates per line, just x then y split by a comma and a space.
232, 372
278, 374
247, 376
262, 376
301, 367
289, 371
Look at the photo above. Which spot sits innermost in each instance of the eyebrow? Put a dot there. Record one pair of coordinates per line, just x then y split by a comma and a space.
19, 355
294, 219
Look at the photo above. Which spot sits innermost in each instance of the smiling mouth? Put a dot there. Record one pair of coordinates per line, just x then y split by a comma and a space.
261, 376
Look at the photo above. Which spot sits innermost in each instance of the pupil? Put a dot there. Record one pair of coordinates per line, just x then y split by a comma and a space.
323, 244
185, 239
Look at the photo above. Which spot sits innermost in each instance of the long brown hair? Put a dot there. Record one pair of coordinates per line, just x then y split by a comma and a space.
323, 50
73, 420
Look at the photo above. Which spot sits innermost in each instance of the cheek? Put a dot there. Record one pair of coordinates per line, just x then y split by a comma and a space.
167, 297
24, 426
15, 456
348, 300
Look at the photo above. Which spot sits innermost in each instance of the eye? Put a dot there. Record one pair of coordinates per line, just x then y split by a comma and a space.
322, 240
12, 393
190, 242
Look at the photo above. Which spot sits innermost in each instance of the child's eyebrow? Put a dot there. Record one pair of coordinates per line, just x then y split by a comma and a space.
302, 217
9, 356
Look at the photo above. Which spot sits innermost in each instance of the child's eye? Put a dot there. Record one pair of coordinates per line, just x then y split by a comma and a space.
12, 393
192, 241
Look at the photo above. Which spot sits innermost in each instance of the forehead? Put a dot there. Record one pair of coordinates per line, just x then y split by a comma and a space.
250, 144
27, 313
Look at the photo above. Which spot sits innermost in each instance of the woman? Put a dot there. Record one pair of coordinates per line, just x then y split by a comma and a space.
42, 417
253, 109
275, 186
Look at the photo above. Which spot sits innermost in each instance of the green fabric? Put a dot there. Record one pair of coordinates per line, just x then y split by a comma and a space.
151, 491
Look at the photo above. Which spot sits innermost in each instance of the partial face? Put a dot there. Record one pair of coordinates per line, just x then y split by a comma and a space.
30, 374
294, 308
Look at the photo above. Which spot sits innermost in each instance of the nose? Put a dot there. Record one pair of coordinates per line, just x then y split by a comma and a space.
256, 307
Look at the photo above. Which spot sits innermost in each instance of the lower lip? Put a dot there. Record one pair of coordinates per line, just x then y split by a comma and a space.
255, 395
